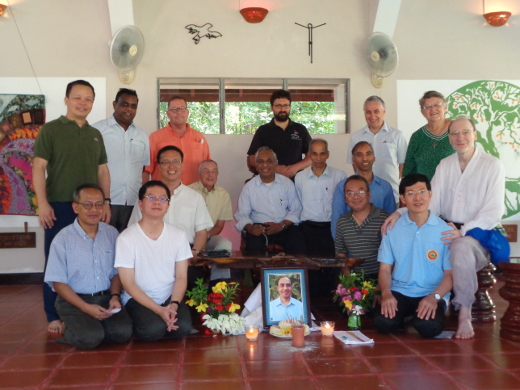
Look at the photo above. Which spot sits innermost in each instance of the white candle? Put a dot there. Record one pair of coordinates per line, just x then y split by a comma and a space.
251, 333
327, 328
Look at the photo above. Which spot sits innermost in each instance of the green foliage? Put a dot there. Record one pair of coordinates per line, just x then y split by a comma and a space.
296, 286
246, 117
495, 107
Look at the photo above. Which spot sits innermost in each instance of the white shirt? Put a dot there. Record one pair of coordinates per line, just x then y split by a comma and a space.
128, 152
474, 197
153, 261
389, 146
316, 193
187, 211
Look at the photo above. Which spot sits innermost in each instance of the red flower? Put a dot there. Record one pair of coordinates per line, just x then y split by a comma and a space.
364, 292
228, 306
353, 288
219, 308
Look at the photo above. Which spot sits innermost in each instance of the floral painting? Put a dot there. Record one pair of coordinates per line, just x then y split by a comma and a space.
21, 117
495, 107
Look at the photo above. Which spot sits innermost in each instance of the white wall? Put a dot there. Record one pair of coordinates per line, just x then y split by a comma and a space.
441, 40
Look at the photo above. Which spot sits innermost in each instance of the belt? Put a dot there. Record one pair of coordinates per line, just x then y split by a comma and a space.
96, 294
458, 225
320, 225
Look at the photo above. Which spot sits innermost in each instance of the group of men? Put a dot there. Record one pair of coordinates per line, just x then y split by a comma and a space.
296, 201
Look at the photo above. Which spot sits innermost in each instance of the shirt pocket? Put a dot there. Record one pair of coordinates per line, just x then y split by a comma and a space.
388, 150
137, 151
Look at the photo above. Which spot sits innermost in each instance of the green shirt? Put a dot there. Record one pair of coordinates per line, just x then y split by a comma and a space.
425, 151
73, 154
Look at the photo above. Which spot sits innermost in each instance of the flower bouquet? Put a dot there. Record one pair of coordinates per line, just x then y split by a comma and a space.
218, 306
355, 295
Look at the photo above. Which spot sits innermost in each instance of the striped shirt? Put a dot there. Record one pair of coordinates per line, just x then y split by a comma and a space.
361, 241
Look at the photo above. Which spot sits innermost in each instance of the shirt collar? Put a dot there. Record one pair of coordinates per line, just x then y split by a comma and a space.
325, 172
384, 128
63, 119
112, 121
276, 179
178, 189
432, 219
80, 230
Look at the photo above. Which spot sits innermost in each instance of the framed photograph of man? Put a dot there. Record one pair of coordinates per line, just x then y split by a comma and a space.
285, 295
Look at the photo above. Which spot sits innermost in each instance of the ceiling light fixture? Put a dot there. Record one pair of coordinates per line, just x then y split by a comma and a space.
497, 19
2, 9
254, 14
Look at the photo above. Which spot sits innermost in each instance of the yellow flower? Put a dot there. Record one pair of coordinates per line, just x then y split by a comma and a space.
191, 302
202, 307
348, 304
220, 287
234, 307
367, 285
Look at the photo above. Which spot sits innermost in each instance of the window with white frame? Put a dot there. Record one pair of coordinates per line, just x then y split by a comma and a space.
240, 106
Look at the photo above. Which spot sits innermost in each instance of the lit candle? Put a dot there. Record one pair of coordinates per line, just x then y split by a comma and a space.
252, 332
327, 328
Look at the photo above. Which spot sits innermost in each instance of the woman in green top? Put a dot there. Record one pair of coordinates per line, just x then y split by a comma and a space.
430, 144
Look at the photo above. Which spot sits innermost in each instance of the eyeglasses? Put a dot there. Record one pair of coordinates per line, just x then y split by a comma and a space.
90, 205
154, 198
351, 194
435, 105
178, 109
421, 193
464, 132
168, 162
280, 106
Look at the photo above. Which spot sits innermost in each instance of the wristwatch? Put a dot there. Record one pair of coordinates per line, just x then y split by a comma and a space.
177, 302
436, 296
108, 201
284, 226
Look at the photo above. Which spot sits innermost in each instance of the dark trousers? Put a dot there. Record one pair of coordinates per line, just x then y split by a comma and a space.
85, 331
407, 306
65, 215
149, 326
291, 239
120, 215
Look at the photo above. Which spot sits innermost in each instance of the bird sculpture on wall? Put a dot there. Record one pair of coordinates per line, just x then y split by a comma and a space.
202, 32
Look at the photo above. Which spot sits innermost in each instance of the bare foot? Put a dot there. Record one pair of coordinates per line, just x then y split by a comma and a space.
465, 329
54, 327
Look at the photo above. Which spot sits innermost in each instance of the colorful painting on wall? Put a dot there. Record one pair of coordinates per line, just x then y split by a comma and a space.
21, 118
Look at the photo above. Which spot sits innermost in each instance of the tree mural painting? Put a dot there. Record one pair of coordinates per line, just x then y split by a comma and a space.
495, 107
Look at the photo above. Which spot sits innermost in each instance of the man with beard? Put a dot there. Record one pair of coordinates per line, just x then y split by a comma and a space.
289, 140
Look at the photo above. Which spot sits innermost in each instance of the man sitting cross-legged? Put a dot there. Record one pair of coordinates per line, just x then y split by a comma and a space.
415, 271
81, 271
152, 259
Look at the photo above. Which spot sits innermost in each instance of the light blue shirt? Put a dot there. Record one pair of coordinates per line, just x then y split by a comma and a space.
418, 255
279, 312
128, 152
381, 195
272, 202
315, 193
86, 265
390, 148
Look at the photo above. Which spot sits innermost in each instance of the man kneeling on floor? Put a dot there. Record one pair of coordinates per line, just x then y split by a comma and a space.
152, 259
81, 271
415, 271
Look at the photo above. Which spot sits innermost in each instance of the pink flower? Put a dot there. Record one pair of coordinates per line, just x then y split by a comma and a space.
357, 296
346, 298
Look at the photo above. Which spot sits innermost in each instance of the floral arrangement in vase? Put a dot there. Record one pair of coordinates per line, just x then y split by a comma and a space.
355, 294
218, 306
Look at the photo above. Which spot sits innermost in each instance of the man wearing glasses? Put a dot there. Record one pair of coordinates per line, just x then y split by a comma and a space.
128, 152
381, 193
178, 133
81, 271
289, 140
358, 233
152, 260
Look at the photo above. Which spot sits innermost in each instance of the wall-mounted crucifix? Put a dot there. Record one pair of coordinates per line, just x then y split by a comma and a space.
310, 27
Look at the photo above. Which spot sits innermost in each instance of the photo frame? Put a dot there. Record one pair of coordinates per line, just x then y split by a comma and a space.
278, 281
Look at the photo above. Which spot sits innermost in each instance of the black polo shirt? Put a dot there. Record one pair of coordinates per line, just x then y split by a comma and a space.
288, 144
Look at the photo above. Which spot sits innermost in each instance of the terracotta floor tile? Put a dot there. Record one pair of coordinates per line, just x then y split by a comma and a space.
347, 366
325, 347
461, 362
155, 345
401, 364
367, 382
152, 357
146, 386
383, 349
421, 381
32, 362
146, 374
505, 360
45, 347
486, 380
211, 355
214, 385
276, 369
211, 342
283, 384
92, 359
7, 348
79, 376
272, 352
19, 379
210, 371
437, 347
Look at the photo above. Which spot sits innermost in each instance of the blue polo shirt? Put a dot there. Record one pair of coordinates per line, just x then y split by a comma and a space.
280, 312
418, 255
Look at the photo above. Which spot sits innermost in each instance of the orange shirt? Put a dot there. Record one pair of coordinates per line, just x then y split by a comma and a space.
193, 145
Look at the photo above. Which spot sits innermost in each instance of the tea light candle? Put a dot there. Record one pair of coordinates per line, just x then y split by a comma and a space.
252, 332
327, 328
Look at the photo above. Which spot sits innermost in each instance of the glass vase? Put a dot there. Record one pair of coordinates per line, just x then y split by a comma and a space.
354, 321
